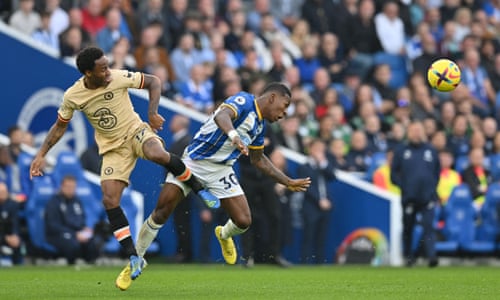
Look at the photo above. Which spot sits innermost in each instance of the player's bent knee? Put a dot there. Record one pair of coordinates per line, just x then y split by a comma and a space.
243, 222
110, 201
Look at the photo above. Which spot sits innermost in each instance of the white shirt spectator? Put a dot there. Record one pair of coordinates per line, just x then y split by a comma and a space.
25, 22
390, 32
59, 21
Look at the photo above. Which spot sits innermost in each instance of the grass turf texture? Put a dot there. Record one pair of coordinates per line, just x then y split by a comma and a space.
166, 281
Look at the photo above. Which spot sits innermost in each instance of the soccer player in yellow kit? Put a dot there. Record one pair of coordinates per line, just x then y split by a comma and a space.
102, 95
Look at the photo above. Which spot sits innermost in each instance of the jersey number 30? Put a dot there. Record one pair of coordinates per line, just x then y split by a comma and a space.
229, 181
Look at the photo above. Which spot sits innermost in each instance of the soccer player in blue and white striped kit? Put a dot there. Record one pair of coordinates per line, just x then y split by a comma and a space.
235, 128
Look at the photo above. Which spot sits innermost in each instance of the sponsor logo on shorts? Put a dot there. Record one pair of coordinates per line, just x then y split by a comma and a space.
108, 171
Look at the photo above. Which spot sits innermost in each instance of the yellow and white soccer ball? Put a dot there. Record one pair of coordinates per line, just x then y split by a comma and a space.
444, 75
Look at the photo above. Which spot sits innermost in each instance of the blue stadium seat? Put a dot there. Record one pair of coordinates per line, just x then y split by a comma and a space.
495, 166
398, 66
489, 228
41, 193
378, 159
67, 163
24, 162
461, 163
460, 223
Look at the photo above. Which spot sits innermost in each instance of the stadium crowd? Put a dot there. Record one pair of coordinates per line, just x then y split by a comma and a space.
357, 70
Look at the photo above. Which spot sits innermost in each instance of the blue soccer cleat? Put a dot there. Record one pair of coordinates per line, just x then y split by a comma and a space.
136, 265
210, 200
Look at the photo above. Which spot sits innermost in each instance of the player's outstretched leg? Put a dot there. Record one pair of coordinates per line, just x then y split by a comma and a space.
183, 174
227, 245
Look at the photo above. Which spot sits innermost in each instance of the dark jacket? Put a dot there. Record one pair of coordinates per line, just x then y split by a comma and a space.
313, 171
415, 169
63, 218
9, 220
470, 178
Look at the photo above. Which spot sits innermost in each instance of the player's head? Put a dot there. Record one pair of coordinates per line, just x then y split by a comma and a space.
92, 63
276, 99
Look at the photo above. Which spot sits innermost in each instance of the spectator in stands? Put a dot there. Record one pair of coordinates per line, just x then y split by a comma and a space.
128, 17
215, 44
6, 166
376, 141
59, 19
448, 178
270, 33
93, 18
477, 177
301, 33
429, 54
289, 135
489, 128
458, 139
448, 112
254, 16
43, 35
308, 125
330, 98
326, 128
422, 105
321, 83
175, 15
167, 88
430, 127
317, 203
75, 21
15, 134
385, 95
65, 227
309, 63
149, 39
10, 240
415, 169
402, 111
184, 57
448, 10
331, 58
382, 175
281, 61
71, 44
337, 154
109, 35
477, 81
120, 57
341, 127
357, 157
494, 76
362, 42
438, 140
25, 18
389, 21
320, 15
152, 12
197, 91
463, 20
287, 12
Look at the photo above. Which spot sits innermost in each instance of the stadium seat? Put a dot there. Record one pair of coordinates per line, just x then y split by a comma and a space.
378, 159
489, 228
67, 163
460, 223
397, 64
24, 162
495, 166
41, 193
461, 163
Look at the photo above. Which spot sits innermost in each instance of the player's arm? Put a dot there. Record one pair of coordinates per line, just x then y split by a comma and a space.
55, 133
153, 85
262, 162
224, 120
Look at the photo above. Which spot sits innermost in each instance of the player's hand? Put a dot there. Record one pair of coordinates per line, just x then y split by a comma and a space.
156, 122
238, 143
298, 185
36, 166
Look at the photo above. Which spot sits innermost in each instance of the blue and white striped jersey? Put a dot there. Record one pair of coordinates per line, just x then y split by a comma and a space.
212, 144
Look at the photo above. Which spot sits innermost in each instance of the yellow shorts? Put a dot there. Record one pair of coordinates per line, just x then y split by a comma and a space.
118, 163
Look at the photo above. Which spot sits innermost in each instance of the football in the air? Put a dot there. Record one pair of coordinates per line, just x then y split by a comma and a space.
443, 75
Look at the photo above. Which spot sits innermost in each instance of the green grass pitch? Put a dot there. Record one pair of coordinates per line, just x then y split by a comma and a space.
169, 281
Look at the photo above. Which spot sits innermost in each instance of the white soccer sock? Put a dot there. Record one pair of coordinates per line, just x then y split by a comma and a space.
230, 229
147, 234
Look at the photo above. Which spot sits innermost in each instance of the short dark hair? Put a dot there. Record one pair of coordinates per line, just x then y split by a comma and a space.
277, 87
85, 61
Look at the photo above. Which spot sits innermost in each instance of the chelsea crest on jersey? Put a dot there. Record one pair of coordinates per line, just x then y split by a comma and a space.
212, 144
